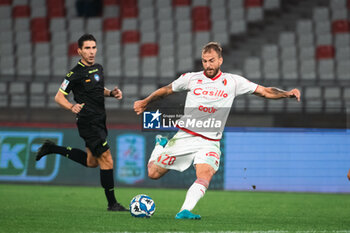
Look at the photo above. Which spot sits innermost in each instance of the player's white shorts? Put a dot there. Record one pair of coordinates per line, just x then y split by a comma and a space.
184, 149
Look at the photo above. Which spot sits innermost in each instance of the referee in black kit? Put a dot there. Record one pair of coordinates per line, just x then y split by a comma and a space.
86, 80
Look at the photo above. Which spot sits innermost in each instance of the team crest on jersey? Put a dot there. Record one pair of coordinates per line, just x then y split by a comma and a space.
224, 82
97, 77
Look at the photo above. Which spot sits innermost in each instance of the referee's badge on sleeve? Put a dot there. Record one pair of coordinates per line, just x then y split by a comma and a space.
64, 84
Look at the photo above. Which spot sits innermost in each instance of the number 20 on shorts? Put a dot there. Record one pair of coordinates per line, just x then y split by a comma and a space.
168, 160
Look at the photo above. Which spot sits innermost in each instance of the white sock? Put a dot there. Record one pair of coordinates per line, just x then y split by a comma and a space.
158, 149
194, 194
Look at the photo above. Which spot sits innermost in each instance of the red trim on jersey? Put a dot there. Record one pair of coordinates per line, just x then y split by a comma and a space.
256, 88
196, 134
216, 77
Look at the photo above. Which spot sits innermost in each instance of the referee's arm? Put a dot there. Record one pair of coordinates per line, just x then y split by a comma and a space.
61, 100
116, 93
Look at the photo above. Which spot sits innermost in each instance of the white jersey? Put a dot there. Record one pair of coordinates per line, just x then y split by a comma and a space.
210, 101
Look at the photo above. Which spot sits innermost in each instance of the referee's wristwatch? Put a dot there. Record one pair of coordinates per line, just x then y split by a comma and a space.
111, 94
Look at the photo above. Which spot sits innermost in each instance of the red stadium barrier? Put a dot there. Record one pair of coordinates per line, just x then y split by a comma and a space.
149, 50
340, 26
130, 37
325, 52
111, 24
21, 11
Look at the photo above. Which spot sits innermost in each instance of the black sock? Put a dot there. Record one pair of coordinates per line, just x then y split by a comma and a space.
76, 155
107, 183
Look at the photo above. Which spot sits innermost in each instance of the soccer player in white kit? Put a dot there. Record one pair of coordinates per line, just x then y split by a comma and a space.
208, 92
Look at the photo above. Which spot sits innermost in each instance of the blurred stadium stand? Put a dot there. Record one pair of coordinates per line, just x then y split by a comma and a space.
144, 44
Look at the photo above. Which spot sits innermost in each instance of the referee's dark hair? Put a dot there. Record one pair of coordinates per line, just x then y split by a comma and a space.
213, 46
83, 38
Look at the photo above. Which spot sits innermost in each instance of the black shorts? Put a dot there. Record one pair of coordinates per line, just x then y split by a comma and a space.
94, 132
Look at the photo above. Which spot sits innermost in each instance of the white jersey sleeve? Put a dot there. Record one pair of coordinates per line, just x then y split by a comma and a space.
244, 86
182, 83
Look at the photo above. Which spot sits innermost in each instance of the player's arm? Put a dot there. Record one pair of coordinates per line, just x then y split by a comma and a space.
61, 99
116, 93
141, 105
276, 93
349, 174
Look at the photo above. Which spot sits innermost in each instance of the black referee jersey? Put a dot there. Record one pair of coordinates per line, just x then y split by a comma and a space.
87, 84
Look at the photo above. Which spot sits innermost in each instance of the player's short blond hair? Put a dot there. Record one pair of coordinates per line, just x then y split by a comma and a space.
213, 46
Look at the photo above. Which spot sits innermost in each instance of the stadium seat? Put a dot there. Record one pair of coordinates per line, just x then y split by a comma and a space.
147, 89
73, 49
21, 24
178, 3
149, 67
308, 70
342, 70
306, 40
341, 40
37, 95
21, 11
131, 67
276, 106
59, 66
320, 14
24, 49
130, 24
6, 49
326, 70
23, 37
7, 65
38, 11
290, 70
6, 25
111, 24
254, 14
270, 69
42, 66
340, 26
130, 37
113, 67
164, 13
149, 50
148, 37
272, 4
325, 52
24, 65
167, 67
252, 68
324, 39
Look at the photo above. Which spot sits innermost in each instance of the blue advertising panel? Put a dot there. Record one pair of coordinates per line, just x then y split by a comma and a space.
17, 153
130, 158
306, 160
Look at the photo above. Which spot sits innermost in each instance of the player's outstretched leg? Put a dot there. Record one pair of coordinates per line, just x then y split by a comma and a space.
74, 154
158, 149
186, 214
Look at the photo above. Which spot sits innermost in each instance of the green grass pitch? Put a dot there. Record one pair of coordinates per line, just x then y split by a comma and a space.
37, 208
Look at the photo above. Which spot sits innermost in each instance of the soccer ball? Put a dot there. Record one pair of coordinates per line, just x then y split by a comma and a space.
142, 206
